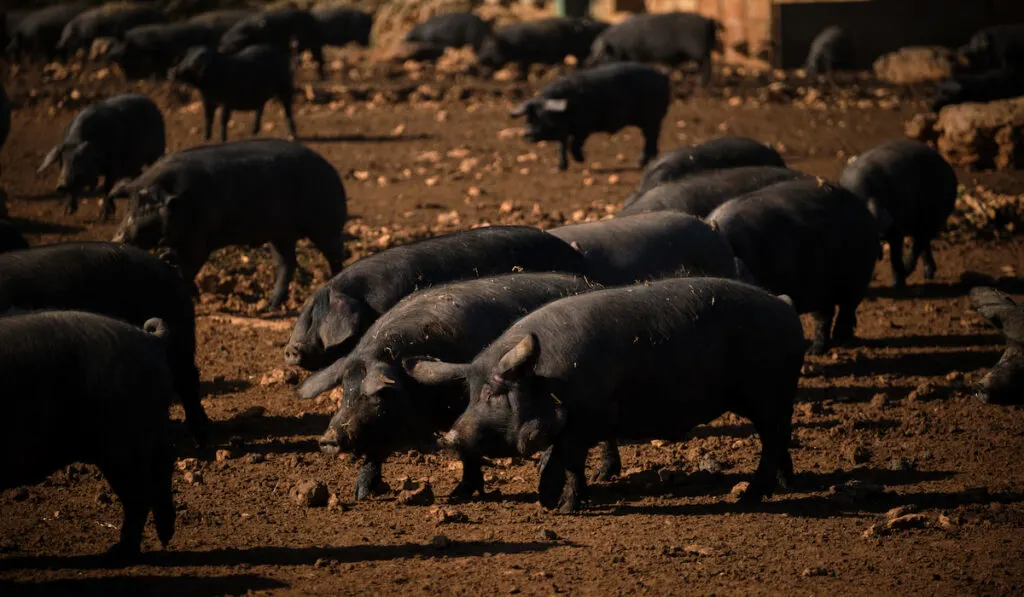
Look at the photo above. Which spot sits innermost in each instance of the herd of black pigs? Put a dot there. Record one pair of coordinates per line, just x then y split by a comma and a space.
494, 341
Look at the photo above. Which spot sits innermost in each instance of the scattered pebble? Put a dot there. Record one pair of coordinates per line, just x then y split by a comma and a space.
310, 493
421, 496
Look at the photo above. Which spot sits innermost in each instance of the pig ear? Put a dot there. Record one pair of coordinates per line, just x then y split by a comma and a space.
323, 380
556, 105
520, 110
120, 189
519, 358
51, 158
431, 373
375, 381
343, 317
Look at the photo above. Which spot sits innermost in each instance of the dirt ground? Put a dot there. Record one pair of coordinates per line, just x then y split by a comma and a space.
888, 423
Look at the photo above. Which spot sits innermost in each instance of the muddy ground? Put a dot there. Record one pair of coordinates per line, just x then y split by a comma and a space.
889, 422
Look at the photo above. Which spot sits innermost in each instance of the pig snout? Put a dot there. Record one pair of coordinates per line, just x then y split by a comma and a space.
448, 441
333, 441
292, 355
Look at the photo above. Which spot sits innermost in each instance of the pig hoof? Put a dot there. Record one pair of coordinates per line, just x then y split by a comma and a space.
569, 505
603, 476
463, 493
983, 395
929, 273
121, 554
70, 209
817, 349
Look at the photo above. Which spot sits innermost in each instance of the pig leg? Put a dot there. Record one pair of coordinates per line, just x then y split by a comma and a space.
651, 134
225, 116
772, 446
256, 121
929, 260
610, 465
129, 479
286, 103
72, 204
186, 386
551, 480
209, 111
899, 274
846, 322
524, 71
822, 329
575, 461
577, 147
917, 247
369, 481
563, 154
162, 496
704, 68
285, 265
472, 480
333, 248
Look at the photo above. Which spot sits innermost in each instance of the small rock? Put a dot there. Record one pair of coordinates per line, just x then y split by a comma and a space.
547, 535
334, 503
280, 376
709, 464
188, 464
809, 409
739, 489
900, 511
193, 477
879, 400
103, 498
256, 458
253, 412
310, 493
925, 391
855, 492
423, 496
900, 464
447, 515
817, 570
908, 521
946, 522
874, 531
223, 455
858, 454
441, 542
699, 550
658, 443
407, 484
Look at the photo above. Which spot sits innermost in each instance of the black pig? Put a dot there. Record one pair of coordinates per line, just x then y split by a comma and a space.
243, 81
335, 317
545, 41
699, 194
151, 50
635, 362
383, 410
996, 47
811, 240
668, 38
717, 154
830, 51
988, 86
604, 99
911, 191
36, 33
242, 193
280, 28
114, 138
340, 25
450, 30
106, 20
1004, 384
86, 388
650, 247
117, 281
